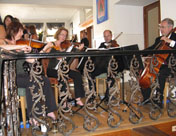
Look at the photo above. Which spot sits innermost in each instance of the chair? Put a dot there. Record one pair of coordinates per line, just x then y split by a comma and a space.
103, 77
22, 100
53, 81
98, 78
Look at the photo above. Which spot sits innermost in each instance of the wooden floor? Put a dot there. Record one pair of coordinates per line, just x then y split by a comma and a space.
164, 123
123, 130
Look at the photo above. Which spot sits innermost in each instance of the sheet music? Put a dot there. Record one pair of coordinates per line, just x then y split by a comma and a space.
69, 49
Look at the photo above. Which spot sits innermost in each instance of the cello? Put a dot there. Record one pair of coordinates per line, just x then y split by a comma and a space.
147, 76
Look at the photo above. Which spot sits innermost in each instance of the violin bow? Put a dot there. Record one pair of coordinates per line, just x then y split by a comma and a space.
118, 35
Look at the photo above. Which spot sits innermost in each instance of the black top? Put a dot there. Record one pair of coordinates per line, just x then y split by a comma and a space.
86, 42
158, 41
102, 45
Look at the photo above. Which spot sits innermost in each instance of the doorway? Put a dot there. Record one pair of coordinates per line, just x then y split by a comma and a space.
151, 21
89, 31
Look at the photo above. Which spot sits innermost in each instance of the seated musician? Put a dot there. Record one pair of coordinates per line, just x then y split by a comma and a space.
58, 46
100, 68
2, 30
166, 26
14, 33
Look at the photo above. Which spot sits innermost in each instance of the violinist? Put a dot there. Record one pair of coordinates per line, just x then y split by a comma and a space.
98, 71
60, 45
108, 40
166, 26
14, 33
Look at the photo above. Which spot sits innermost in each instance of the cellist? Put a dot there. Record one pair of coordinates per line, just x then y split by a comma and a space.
166, 26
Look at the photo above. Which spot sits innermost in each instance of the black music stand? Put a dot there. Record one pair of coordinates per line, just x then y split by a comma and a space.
127, 59
123, 64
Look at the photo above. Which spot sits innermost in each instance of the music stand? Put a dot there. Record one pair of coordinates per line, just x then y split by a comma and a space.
128, 58
123, 64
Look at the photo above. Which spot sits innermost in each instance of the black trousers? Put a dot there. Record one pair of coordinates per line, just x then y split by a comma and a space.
163, 74
77, 80
23, 81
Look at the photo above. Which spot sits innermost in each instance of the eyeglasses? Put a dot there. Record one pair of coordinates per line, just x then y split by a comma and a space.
63, 35
163, 27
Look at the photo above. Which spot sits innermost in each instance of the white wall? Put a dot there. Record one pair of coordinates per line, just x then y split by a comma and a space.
121, 18
168, 9
76, 22
108, 24
129, 20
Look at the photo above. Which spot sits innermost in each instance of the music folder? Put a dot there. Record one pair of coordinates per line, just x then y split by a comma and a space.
100, 62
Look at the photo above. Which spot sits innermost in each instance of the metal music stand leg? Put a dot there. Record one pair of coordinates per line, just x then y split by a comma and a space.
99, 104
123, 94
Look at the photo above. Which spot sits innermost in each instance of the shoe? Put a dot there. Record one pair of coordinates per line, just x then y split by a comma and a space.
79, 102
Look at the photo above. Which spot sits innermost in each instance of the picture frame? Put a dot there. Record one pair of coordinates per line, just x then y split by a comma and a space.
102, 10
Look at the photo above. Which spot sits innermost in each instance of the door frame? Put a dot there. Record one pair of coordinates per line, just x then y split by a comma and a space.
146, 9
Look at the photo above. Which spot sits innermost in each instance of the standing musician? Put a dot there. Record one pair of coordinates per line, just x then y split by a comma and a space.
84, 39
99, 69
60, 45
166, 26
14, 33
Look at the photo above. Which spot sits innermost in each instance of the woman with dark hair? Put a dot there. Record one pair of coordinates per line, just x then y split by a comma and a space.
7, 20
14, 33
33, 32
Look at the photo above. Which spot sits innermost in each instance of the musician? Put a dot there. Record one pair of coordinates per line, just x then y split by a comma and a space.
14, 33
2, 30
108, 40
58, 46
33, 32
84, 39
102, 66
74, 38
166, 26
7, 20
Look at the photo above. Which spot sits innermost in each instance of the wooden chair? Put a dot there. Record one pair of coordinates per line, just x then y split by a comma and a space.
22, 101
53, 81
103, 77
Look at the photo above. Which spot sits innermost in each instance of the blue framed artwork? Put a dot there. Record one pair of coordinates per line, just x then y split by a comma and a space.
102, 11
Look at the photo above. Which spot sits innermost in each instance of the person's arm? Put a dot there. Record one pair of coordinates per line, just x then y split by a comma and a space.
2, 32
47, 48
24, 48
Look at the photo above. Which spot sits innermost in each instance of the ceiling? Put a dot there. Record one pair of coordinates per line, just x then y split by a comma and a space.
53, 10
41, 10
136, 2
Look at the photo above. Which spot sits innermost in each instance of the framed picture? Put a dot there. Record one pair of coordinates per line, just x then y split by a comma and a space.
102, 11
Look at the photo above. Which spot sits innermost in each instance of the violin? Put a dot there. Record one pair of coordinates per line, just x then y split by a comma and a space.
32, 43
114, 43
147, 77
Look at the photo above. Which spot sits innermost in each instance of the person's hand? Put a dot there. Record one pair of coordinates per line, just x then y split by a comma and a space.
47, 47
166, 39
26, 49
81, 46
